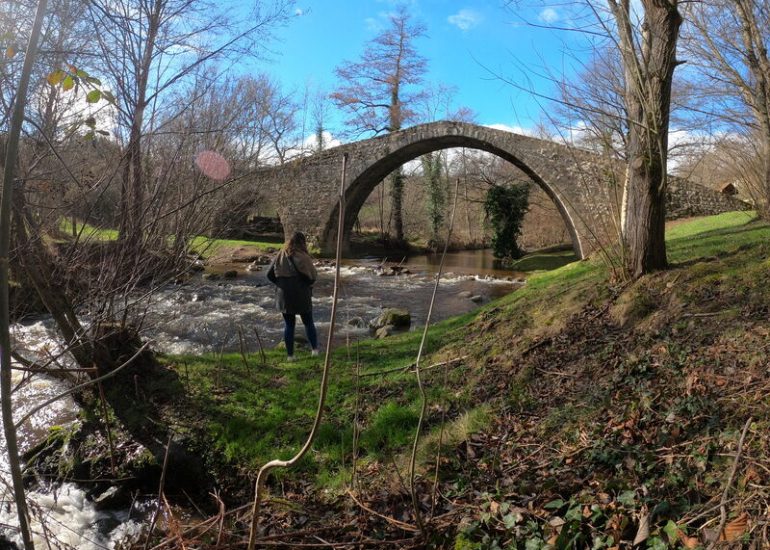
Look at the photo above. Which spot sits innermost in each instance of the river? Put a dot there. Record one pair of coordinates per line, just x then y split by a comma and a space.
204, 316
226, 315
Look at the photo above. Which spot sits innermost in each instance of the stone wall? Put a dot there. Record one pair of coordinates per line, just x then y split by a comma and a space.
685, 199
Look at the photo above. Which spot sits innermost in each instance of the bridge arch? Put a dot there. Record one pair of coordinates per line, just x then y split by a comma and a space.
362, 184
585, 187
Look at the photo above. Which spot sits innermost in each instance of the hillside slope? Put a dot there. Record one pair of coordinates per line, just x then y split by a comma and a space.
577, 412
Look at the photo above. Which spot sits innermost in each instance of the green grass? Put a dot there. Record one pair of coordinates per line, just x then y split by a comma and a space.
543, 262
260, 412
265, 411
209, 247
205, 246
88, 232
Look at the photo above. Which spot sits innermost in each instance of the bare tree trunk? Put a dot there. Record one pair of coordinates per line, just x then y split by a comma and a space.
9, 177
649, 74
132, 188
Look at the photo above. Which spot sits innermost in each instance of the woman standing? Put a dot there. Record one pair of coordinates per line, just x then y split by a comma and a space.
293, 272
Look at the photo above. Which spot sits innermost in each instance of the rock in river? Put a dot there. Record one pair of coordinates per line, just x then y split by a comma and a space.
398, 318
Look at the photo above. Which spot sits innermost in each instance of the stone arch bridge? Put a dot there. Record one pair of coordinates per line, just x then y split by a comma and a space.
585, 187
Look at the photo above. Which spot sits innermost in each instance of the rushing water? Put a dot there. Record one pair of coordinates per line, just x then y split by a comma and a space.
227, 315
204, 316
61, 514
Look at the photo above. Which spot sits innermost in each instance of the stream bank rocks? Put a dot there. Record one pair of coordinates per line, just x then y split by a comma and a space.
391, 320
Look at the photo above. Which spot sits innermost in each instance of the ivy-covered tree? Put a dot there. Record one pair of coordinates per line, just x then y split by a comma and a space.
505, 207
432, 167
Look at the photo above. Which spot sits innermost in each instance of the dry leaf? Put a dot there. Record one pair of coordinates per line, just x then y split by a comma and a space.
688, 542
494, 507
643, 533
735, 529
10, 52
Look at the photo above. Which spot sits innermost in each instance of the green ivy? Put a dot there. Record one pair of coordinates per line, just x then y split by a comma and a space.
505, 208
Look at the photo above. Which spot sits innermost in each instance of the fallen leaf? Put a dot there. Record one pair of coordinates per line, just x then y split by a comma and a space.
688, 542
643, 533
735, 529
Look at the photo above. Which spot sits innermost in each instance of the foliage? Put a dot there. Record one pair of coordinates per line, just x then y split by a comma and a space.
432, 165
505, 207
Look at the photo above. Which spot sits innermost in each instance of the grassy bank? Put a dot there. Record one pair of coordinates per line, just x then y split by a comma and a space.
576, 412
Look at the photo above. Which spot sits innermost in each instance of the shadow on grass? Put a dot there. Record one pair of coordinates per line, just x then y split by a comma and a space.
544, 262
717, 243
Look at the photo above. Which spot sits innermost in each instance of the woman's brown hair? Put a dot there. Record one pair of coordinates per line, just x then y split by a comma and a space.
298, 242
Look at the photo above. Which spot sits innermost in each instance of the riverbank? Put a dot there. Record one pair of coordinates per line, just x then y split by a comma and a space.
576, 409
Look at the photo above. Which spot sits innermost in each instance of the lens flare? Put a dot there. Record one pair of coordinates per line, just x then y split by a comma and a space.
213, 165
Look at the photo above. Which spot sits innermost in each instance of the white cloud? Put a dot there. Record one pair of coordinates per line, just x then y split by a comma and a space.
299, 12
372, 24
465, 19
549, 15
513, 129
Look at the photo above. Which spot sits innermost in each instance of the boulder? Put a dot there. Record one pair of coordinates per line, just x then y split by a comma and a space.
254, 266
230, 274
398, 318
384, 332
464, 294
477, 298
211, 276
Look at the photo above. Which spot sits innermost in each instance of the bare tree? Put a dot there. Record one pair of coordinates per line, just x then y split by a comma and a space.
727, 41
149, 48
16, 119
381, 92
648, 54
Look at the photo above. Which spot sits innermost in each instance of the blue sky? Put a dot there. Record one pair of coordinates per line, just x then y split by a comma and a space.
468, 43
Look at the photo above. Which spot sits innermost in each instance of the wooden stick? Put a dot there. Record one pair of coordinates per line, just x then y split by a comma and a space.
423, 396
392, 521
265, 470
160, 492
725, 493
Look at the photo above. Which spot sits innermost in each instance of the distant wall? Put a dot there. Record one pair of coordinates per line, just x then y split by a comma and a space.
685, 199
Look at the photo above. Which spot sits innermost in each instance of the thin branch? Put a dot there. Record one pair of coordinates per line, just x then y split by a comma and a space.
265, 470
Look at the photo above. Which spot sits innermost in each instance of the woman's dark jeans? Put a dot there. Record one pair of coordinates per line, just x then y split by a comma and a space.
289, 322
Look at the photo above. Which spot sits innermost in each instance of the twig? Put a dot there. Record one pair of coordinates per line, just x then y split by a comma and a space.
74, 389
261, 347
708, 314
222, 516
265, 470
160, 493
725, 493
356, 433
242, 347
392, 521
411, 365
438, 447
423, 396
107, 425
